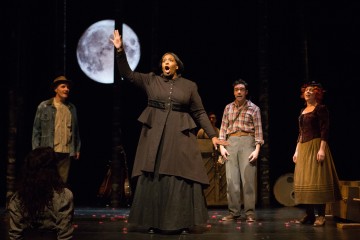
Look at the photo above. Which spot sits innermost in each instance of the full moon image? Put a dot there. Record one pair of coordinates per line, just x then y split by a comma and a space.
95, 51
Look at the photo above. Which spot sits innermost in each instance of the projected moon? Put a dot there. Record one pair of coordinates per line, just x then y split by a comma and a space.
95, 51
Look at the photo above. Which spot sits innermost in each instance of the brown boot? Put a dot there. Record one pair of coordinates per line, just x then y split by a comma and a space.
307, 219
320, 221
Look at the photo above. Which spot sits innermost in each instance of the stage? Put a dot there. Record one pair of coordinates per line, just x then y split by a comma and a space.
274, 223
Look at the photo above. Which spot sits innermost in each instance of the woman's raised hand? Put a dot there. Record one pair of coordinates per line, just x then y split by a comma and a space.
117, 39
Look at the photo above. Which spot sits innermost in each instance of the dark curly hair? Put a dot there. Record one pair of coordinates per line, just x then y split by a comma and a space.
38, 181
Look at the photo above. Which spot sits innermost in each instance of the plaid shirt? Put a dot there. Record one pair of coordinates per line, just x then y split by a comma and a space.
244, 119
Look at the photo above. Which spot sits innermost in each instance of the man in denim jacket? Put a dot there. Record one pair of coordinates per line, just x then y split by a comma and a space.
56, 126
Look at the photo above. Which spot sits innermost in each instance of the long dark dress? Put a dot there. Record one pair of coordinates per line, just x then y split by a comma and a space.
168, 163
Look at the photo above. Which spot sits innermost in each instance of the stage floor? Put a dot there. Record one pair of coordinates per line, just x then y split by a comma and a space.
275, 223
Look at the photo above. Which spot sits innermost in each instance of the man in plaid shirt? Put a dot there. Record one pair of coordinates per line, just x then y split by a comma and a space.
241, 127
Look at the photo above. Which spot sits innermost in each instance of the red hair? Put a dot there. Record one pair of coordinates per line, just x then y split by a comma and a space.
317, 89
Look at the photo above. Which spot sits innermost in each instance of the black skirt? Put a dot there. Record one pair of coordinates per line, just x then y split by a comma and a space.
167, 203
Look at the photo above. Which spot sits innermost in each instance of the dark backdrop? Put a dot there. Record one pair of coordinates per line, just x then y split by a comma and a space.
218, 43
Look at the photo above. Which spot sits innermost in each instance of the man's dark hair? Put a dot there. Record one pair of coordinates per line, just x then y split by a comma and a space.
240, 81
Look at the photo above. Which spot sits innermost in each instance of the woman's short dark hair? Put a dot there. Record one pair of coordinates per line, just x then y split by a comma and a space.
177, 59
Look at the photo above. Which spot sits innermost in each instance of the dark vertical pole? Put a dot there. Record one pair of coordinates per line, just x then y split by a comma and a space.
306, 59
64, 37
264, 168
12, 133
155, 35
15, 107
60, 34
305, 41
117, 163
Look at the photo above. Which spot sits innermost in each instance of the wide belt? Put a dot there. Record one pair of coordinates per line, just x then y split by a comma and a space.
169, 105
240, 134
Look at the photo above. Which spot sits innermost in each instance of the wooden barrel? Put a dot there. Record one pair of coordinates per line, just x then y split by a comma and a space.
284, 190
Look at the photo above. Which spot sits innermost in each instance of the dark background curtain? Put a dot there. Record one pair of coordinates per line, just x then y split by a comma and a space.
274, 45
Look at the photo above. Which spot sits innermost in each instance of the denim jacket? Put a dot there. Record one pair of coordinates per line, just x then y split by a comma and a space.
44, 126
